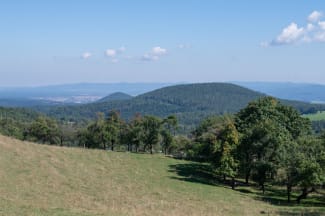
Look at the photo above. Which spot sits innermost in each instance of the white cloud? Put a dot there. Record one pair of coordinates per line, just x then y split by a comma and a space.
149, 57
86, 55
320, 36
154, 54
110, 53
290, 34
315, 16
321, 25
310, 27
314, 31
158, 51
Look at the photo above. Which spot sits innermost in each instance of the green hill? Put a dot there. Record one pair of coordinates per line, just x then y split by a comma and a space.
46, 180
117, 96
190, 102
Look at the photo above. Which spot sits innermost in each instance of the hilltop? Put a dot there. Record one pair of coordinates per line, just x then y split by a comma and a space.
115, 97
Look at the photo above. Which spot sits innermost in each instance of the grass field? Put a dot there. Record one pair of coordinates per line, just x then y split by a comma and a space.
45, 180
316, 116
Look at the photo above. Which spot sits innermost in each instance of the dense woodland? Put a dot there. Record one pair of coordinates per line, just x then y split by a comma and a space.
266, 142
190, 103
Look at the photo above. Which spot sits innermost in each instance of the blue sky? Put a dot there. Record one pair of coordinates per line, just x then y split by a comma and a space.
60, 41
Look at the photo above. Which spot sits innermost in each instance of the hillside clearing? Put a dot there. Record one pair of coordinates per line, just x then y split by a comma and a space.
46, 180
316, 116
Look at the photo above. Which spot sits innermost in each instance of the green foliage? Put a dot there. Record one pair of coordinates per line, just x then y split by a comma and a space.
44, 130
266, 125
224, 152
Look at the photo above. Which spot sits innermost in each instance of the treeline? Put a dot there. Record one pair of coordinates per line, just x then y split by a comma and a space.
266, 142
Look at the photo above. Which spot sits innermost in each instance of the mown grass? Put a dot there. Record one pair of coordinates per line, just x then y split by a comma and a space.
316, 116
45, 180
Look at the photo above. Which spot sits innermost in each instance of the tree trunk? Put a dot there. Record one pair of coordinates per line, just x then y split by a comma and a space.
247, 175
233, 183
304, 194
289, 188
112, 146
150, 149
61, 140
224, 178
263, 188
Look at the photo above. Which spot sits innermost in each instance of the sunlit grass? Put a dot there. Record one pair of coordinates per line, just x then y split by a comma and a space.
46, 180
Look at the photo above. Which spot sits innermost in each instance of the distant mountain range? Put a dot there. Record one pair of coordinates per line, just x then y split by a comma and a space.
314, 93
79, 93
82, 93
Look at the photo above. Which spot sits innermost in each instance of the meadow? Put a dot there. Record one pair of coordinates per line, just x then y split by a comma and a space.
320, 115
49, 180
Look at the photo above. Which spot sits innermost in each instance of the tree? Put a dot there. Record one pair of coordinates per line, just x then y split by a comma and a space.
167, 141
265, 125
205, 138
302, 165
136, 132
45, 130
96, 135
168, 131
224, 153
151, 128
113, 125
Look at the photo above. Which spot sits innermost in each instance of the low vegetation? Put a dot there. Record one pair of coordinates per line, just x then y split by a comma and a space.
320, 115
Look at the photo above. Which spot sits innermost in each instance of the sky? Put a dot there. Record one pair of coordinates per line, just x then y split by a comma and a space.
106, 41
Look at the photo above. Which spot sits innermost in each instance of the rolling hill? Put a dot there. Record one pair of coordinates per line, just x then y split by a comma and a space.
47, 180
117, 96
190, 102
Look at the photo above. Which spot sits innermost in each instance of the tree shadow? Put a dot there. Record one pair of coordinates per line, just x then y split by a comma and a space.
195, 172
203, 174
300, 213
277, 196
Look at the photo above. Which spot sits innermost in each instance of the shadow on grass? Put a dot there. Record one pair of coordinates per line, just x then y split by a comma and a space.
203, 174
301, 213
278, 196
195, 172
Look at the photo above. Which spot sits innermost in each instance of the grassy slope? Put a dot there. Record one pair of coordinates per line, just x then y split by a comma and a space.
45, 180
316, 117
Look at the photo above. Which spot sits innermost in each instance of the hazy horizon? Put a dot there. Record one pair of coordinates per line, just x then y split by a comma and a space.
146, 83
63, 42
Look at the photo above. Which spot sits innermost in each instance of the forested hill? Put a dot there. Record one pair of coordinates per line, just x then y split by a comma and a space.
190, 102
115, 97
